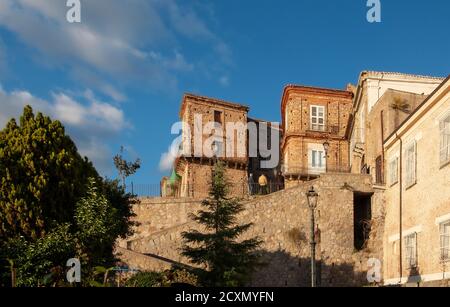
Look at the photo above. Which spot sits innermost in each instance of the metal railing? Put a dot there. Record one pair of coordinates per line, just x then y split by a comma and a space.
202, 191
300, 169
331, 129
144, 190
327, 129
255, 189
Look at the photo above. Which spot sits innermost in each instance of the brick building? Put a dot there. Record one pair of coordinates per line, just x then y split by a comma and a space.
312, 117
213, 128
391, 131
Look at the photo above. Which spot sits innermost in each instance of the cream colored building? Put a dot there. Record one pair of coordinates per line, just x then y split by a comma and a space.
417, 222
372, 87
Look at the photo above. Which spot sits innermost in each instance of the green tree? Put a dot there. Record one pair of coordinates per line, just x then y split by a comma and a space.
122, 203
91, 238
125, 168
167, 278
36, 261
95, 220
101, 216
53, 205
228, 262
42, 176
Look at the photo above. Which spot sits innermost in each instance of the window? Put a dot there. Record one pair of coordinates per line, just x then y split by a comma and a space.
411, 250
445, 240
218, 117
445, 140
393, 171
411, 165
317, 159
318, 118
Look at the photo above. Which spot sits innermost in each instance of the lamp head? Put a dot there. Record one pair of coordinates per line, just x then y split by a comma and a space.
312, 198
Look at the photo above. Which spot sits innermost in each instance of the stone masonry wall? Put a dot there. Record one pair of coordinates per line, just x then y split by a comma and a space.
157, 214
282, 221
201, 177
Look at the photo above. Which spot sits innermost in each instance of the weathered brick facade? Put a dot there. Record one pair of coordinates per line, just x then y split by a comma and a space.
311, 117
196, 169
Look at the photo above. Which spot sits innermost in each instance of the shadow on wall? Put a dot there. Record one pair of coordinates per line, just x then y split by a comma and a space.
281, 269
278, 269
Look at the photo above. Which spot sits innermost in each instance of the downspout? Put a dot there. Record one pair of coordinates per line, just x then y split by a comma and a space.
382, 148
400, 208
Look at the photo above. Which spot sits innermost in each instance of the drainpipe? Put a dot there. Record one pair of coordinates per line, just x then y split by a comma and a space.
382, 148
400, 207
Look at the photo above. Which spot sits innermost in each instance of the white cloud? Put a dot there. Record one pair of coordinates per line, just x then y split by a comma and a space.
168, 158
90, 123
115, 41
68, 111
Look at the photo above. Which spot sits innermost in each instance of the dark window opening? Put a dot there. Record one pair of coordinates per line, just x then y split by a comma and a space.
218, 117
362, 216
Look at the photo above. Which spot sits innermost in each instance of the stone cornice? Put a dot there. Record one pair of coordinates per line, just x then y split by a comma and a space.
211, 101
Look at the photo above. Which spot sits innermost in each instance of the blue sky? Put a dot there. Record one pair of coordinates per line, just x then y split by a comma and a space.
118, 77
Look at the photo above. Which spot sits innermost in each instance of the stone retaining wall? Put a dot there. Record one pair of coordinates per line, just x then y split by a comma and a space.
282, 221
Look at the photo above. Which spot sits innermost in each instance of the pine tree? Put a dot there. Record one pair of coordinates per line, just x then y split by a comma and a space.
42, 175
227, 261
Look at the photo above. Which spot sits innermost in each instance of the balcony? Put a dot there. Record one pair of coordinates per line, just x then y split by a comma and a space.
317, 129
304, 171
330, 129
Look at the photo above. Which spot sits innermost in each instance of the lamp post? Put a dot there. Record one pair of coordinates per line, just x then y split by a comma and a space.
326, 147
312, 203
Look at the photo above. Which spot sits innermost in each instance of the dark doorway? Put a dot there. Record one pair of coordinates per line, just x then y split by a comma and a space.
362, 216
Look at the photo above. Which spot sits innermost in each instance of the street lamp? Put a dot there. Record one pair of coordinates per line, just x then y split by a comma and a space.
326, 147
312, 203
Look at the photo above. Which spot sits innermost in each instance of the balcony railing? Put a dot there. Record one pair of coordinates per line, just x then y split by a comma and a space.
292, 169
241, 189
331, 129
326, 129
